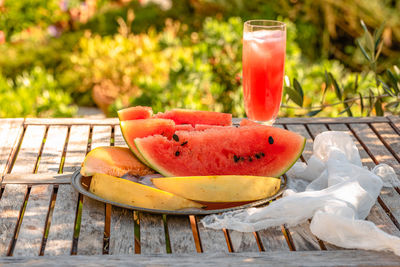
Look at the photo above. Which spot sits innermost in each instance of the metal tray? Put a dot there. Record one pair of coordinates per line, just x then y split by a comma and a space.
77, 179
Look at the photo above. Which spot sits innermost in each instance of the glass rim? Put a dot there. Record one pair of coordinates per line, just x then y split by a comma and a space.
265, 24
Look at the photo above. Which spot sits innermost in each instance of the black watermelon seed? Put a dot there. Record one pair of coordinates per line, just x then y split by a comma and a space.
177, 153
262, 154
184, 143
236, 158
257, 156
250, 159
270, 140
175, 137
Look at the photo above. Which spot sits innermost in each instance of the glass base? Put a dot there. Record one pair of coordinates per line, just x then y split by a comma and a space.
269, 123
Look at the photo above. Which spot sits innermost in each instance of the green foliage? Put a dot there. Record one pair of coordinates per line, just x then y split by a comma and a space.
34, 93
17, 16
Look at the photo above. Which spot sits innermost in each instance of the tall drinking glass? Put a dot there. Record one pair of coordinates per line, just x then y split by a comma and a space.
264, 48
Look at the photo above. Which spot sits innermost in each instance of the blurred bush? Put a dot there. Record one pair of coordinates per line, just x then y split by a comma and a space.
35, 93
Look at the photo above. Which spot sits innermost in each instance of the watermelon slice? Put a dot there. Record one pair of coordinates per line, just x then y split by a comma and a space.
193, 117
132, 129
248, 150
135, 113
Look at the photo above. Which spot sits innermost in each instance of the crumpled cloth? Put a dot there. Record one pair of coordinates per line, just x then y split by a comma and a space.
334, 189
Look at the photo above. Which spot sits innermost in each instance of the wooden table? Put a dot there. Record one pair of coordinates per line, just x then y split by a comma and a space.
41, 214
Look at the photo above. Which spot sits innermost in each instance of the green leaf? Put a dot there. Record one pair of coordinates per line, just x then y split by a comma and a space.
356, 84
370, 101
338, 91
313, 112
378, 107
393, 104
386, 87
294, 96
361, 103
393, 80
368, 37
298, 88
378, 34
345, 110
363, 51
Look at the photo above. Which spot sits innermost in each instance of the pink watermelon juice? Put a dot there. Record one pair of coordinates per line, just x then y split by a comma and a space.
263, 70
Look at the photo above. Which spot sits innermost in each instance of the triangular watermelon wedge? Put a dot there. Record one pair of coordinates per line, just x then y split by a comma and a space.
247, 150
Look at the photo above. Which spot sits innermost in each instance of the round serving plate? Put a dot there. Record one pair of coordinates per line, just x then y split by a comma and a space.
79, 183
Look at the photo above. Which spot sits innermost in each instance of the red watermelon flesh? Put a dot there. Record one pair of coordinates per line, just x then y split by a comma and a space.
135, 113
193, 117
144, 127
248, 150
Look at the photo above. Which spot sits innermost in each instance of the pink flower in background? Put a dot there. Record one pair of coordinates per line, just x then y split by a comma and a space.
2, 37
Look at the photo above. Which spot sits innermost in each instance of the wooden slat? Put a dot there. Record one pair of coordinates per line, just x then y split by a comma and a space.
273, 239
301, 235
31, 234
76, 148
29, 150
118, 138
152, 234
389, 136
306, 258
331, 120
53, 149
212, 241
372, 142
71, 121
395, 120
91, 236
316, 129
11, 204
92, 228
101, 136
122, 232
40, 178
59, 241
243, 242
10, 132
180, 234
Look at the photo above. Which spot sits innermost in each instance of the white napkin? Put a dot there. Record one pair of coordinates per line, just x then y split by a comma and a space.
335, 190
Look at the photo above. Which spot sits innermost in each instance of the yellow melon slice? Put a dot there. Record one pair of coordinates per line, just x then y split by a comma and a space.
115, 161
224, 188
135, 194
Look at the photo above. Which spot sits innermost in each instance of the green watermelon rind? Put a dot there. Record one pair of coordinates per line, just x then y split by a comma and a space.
295, 160
151, 164
139, 155
164, 172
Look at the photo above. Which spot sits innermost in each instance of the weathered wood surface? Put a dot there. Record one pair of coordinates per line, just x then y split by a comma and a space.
122, 232
37, 178
294, 258
152, 234
91, 236
118, 137
180, 234
33, 225
11, 203
59, 241
212, 241
29, 150
389, 137
243, 242
272, 239
10, 133
76, 148
71, 121
53, 149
